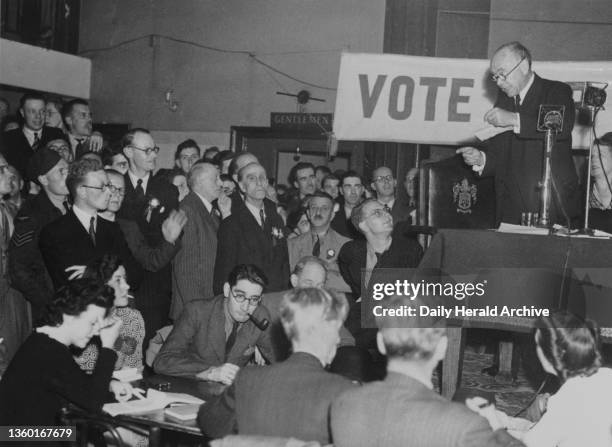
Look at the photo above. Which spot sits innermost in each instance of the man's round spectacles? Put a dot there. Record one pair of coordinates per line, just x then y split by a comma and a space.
241, 298
501, 76
384, 178
105, 187
148, 150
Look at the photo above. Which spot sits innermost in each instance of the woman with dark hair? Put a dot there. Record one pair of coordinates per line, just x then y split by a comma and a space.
43, 376
580, 413
128, 346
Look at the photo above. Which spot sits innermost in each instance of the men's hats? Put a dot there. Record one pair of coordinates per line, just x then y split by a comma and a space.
42, 162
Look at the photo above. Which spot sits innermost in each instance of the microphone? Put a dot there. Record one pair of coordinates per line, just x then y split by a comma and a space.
553, 120
262, 325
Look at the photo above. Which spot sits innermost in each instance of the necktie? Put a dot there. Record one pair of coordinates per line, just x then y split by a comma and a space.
229, 343
316, 249
262, 217
92, 229
517, 103
387, 209
139, 189
79, 149
66, 205
36, 141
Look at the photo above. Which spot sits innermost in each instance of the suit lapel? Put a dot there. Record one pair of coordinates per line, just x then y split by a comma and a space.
217, 330
78, 228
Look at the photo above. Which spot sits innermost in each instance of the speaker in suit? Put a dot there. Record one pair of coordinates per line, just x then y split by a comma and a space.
17, 149
198, 340
194, 266
65, 242
242, 240
400, 411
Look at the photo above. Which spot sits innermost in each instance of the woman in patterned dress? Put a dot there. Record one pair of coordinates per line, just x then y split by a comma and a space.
109, 270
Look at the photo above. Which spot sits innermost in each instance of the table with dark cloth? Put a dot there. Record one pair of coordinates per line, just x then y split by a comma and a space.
554, 272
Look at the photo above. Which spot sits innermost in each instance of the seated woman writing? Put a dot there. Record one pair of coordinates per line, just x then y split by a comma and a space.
580, 412
43, 376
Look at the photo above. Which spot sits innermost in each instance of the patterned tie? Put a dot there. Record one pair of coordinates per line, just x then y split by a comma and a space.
92, 229
36, 142
262, 217
316, 249
139, 189
229, 343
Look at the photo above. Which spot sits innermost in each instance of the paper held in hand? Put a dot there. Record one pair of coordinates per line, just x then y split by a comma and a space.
155, 400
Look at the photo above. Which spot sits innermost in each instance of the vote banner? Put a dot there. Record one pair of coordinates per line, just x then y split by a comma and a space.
430, 100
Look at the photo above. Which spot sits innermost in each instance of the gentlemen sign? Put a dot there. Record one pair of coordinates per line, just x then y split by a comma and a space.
321, 122
385, 97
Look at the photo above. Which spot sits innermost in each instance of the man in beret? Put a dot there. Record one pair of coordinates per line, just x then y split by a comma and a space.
26, 267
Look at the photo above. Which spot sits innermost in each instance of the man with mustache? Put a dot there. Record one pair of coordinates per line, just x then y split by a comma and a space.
321, 241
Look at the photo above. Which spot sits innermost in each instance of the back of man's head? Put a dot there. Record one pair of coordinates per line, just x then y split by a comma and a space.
303, 309
409, 339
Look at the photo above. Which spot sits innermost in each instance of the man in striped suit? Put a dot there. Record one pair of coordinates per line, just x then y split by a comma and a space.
194, 264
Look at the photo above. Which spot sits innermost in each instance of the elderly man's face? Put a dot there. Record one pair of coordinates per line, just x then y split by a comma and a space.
254, 182
376, 219
312, 275
512, 72
33, 112
79, 120
208, 183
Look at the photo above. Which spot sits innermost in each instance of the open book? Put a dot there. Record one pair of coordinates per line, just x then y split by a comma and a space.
155, 400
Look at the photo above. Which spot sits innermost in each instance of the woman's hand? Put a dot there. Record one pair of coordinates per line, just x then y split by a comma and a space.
487, 410
124, 391
109, 331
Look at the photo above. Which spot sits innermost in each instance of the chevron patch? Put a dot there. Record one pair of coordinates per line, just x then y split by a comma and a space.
20, 239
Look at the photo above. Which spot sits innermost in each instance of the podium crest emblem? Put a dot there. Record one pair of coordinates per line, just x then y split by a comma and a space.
464, 196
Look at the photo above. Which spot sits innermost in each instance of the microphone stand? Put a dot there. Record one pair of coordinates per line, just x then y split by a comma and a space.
549, 142
586, 230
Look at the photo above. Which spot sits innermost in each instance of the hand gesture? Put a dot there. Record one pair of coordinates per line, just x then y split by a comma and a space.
471, 156
95, 142
487, 410
109, 331
124, 391
225, 205
225, 373
501, 118
173, 225
75, 271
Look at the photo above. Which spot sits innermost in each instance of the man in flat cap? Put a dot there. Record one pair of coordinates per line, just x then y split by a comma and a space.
26, 267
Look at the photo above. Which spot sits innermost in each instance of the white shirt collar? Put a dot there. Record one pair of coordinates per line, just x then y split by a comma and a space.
523, 92
255, 211
390, 203
84, 218
29, 134
206, 203
134, 180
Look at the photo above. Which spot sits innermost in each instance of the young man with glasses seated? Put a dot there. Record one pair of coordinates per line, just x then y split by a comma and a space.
148, 201
384, 185
80, 236
213, 339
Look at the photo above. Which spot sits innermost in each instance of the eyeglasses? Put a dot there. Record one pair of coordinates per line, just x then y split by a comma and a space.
240, 297
384, 178
116, 190
105, 187
380, 212
501, 76
148, 150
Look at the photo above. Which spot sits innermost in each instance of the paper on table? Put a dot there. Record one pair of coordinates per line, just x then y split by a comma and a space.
489, 132
155, 400
521, 229
127, 375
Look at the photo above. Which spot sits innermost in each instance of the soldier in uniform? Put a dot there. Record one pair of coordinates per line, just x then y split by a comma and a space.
26, 267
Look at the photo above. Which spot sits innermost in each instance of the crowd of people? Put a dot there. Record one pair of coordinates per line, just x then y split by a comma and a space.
104, 257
